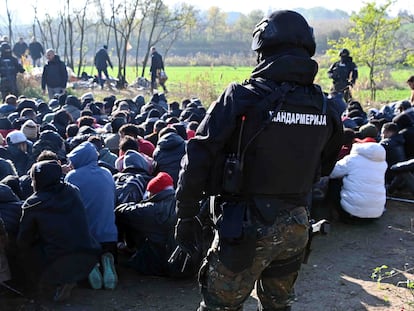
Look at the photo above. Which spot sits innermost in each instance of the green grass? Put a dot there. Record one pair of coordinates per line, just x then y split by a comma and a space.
207, 82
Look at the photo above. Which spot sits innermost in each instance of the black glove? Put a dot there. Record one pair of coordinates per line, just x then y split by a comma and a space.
188, 234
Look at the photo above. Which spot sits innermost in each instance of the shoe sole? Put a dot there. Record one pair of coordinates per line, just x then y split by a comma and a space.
95, 277
110, 278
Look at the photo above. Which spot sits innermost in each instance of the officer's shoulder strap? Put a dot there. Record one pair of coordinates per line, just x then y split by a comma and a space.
271, 92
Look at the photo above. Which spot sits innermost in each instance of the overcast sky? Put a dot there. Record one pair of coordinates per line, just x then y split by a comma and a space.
22, 10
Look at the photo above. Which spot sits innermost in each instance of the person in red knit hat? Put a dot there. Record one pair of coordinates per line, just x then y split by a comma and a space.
148, 226
162, 181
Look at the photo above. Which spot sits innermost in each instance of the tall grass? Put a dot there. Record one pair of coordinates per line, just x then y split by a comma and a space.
208, 82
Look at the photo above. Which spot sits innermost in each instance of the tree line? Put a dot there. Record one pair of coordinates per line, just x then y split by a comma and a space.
131, 27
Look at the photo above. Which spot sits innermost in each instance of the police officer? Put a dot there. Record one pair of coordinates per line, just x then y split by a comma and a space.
9, 67
344, 74
266, 155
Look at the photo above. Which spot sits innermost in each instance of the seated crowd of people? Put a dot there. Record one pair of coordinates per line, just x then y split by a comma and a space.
110, 168
374, 162
82, 181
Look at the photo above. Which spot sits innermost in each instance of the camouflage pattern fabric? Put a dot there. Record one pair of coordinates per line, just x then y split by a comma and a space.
223, 289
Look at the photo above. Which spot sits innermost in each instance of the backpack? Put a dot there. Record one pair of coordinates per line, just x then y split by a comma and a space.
130, 188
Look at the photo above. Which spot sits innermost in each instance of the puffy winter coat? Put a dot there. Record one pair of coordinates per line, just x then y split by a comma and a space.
363, 170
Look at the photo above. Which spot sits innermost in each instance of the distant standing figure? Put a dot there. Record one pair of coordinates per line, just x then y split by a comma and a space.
344, 74
19, 49
410, 83
157, 65
9, 67
102, 61
55, 75
36, 52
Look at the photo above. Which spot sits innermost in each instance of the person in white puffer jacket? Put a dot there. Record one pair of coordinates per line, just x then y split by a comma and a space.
363, 191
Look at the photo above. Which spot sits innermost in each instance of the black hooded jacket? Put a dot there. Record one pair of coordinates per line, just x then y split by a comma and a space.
300, 142
49, 219
54, 74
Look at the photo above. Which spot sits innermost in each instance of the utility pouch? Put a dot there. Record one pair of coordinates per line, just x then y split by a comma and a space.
232, 175
237, 237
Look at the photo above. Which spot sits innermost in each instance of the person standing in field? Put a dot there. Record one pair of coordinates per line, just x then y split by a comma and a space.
19, 49
102, 61
55, 75
36, 52
9, 68
157, 66
344, 74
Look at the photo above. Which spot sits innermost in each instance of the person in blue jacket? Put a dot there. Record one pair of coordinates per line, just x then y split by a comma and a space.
97, 190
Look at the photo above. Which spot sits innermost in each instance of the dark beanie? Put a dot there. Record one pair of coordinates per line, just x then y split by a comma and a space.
403, 121
45, 174
73, 101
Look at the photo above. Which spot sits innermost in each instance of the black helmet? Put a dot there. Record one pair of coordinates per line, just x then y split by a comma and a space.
344, 52
283, 29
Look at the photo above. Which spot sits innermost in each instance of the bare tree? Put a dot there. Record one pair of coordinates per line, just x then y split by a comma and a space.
82, 26
165, 26
9, 21
122, 23
144, 14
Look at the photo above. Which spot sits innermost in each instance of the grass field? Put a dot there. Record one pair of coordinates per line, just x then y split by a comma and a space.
207, 83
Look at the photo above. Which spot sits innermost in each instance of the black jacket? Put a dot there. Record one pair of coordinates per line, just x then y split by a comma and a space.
102, 59
343, 73
35, 50
54, 74
10, 209
9, 67
55, 221
395, 152
301, 143
156, 62
168, 154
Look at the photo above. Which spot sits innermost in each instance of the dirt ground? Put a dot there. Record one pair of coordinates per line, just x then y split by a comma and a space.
337, 276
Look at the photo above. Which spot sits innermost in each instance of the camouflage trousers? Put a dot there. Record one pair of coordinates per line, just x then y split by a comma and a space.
278, 254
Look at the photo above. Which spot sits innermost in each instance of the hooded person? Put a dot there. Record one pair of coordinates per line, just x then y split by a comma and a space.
72, 106
19, 151
406, 129
31, 130
46, 238
97, 191
168, 153
148, 226
272, 181
132, 181
50, 140
362, 195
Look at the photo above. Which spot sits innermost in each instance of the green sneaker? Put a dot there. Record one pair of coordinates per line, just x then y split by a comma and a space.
110, 278
95, 277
